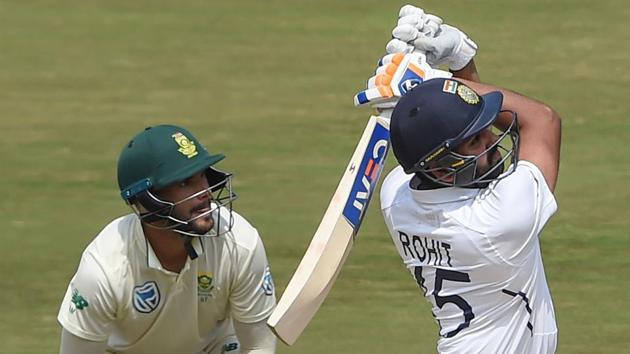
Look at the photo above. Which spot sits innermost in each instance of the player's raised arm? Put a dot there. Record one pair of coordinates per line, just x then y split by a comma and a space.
442, 44
468, 72
539, 127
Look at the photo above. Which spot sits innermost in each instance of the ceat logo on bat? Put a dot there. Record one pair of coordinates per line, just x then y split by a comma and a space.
367, 176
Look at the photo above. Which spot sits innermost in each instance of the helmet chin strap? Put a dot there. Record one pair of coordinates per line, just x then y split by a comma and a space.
189, 247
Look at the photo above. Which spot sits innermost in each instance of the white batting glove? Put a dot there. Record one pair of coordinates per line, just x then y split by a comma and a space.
396, 74
450, 46
447, 45
415, 22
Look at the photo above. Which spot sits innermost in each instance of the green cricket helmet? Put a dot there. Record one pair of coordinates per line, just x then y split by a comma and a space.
163, 155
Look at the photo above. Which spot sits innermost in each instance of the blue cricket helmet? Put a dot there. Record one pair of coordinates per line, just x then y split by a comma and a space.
433, 118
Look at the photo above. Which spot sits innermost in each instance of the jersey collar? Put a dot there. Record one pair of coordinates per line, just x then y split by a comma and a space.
444, 195
152, 260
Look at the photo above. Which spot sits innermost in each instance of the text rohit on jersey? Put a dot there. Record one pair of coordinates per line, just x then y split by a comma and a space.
425, 249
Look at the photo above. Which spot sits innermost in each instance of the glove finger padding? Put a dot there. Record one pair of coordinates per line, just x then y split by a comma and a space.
431, 25
408, 10
451, 46
402, 73
411, 27
383, 65
411, 20
425, 24
397, 46
386, 59
416, 28
405, 33
429, 46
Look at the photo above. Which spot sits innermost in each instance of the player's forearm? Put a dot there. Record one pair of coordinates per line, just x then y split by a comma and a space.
533, 116
539, 126
468, 72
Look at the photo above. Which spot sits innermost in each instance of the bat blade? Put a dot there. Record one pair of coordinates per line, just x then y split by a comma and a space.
334, 237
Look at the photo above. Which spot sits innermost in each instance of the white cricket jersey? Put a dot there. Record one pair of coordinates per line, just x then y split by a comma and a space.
122, 294
476, 255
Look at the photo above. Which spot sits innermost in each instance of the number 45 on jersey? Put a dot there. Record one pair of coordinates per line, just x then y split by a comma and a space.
334, 237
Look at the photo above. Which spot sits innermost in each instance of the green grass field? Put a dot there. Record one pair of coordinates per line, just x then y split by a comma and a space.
270, 84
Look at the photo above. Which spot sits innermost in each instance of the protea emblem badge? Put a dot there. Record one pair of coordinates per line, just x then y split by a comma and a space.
205, 287
186, 147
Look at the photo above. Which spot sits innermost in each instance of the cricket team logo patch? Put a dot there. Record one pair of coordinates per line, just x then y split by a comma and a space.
467, 94
204, 286
146, 297
186, 147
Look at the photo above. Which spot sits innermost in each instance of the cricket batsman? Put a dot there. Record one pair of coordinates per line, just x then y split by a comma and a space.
466, 206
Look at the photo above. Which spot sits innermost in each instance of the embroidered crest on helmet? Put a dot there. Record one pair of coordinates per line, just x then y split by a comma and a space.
186, 147
467, 94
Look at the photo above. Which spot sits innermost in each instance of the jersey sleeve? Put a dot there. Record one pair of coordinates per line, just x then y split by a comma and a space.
390, 187
88, 307
255, 337
71, 344
253, 295
515, 210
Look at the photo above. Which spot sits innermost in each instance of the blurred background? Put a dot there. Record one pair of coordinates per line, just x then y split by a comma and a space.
270, 84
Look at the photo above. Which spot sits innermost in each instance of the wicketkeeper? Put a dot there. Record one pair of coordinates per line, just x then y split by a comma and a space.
183, 273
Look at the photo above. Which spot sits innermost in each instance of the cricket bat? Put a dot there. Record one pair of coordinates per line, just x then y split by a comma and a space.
334, 237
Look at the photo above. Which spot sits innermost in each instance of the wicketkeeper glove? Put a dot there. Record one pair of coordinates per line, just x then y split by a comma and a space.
395, 75
444, 45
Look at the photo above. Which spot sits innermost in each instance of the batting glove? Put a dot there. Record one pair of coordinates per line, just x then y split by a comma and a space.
414, 20
395, 75
445, 45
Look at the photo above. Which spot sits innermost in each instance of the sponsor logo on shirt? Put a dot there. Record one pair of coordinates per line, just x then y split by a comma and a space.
78, 301
267, 284
228, 347
146, 297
